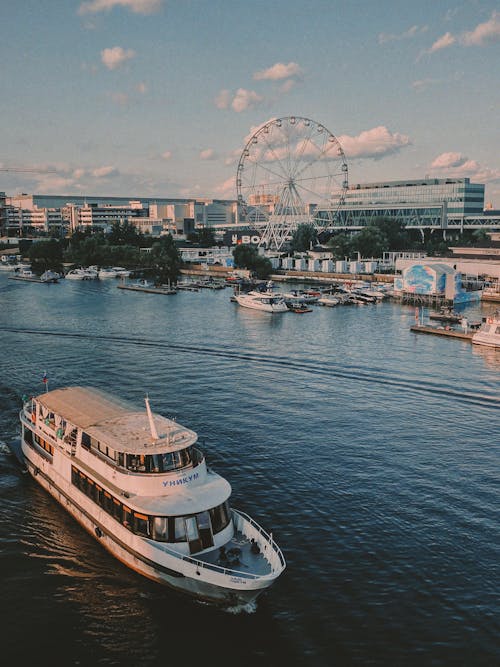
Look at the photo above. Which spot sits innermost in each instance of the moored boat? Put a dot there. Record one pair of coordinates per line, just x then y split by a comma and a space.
138, 484
265, 301
489, 332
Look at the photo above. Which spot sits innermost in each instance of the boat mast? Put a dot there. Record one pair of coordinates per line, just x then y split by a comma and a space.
154, 432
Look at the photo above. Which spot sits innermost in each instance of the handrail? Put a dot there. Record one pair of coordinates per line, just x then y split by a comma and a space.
197, 460
268, 537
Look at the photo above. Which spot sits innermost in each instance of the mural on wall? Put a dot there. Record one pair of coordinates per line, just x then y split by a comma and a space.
419, 279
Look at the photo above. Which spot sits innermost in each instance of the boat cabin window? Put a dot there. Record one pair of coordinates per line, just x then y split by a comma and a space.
85, 440
157, 463
197, 529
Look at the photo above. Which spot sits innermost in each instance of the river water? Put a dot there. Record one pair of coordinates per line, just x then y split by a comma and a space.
370, 452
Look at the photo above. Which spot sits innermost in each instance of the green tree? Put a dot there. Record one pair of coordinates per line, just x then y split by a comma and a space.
124, 233
46, 255
204, 236
247, 257
341, 245
165, 260
303, 237
370, 242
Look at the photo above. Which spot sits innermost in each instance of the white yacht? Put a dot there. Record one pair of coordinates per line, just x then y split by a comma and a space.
114, 272
137, 483
489, 332
267, 301
81, 274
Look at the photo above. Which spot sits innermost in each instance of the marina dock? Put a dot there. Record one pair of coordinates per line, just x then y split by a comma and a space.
441, 331
148, 290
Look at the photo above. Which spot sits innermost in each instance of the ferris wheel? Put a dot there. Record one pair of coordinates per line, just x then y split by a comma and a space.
291, 171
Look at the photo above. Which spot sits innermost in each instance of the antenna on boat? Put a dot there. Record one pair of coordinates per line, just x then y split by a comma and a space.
154, 432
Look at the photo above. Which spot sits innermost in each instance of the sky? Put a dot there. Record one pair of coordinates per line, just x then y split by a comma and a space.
147, 98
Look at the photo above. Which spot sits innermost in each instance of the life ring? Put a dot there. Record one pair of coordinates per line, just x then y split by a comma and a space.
489, 320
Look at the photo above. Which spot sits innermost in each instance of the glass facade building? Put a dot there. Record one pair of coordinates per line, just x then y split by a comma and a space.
433, 202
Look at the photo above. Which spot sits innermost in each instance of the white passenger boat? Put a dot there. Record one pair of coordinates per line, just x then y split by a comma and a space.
50, 277
266, 301
138, 484
489, 332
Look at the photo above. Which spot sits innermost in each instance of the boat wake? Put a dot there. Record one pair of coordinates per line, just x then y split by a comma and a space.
248, 608
328, 369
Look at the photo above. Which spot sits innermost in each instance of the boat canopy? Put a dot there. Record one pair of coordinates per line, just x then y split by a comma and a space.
186, 499
115, 422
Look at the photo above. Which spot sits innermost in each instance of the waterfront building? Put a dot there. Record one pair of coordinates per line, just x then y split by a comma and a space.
436, 203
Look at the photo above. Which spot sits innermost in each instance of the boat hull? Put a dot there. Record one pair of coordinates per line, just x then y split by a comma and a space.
183, 574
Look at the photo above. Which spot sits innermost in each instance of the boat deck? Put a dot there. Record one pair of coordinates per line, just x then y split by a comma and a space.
239, 558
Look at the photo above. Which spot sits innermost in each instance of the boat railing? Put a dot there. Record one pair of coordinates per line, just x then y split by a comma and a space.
200, 564
268, 537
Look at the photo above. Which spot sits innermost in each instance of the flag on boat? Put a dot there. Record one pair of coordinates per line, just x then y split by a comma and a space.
45, 379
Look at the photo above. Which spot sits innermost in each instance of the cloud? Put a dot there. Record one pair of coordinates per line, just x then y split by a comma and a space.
135, 6
227, 189
458, 165
141, 88
233, 157
223, 99
166, 155
422, 84
116, 56
103, 172
287, 86
208, 154
383, 37
245, 99
278, 71
484, 32
375, 143
442, 43
118, 98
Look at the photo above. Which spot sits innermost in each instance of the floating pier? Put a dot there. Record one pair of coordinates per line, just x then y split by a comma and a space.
441, 331
148, 290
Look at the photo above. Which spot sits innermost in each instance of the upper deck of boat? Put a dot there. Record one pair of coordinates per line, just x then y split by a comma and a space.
115, 422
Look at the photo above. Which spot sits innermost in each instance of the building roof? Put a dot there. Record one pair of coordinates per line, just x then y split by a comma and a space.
115, 422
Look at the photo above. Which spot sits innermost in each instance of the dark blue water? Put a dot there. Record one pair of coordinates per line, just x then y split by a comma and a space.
370, 452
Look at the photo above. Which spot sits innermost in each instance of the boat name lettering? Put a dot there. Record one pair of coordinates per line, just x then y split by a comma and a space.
181, 480
238, 580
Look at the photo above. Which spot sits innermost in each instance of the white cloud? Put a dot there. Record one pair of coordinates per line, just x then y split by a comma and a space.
136, 6
422, 84
375, 143
78, 173
457, 165
233, 157
116, 56
484, 32
166, 155
227, 189
287, 86
118, 98
223, 99
383, 37
141, 88
278, 71
442, 43
208, 154
245, 99
103, 172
